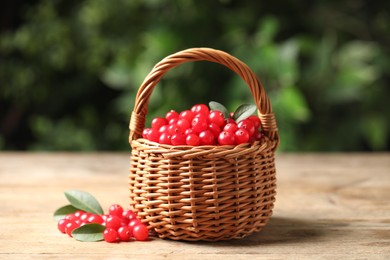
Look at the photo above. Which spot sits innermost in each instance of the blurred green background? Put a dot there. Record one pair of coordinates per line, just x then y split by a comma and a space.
69, 70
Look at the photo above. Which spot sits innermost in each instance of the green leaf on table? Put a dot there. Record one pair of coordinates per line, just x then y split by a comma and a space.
84, 201
61, 213
218, 106
244, 111
89, 233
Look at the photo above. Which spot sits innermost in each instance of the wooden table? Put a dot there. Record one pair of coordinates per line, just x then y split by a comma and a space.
329, 206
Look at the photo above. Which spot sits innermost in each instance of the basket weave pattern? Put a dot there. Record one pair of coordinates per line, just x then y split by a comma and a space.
203, 192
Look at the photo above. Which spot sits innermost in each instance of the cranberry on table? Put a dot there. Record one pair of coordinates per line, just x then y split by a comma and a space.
115, 209
140, 232
134, 223
113, 221
62, 225
129, 214
124, 233
119, 224
110, 235
84, 217
70, 226
79, 213
105, 217
95, 219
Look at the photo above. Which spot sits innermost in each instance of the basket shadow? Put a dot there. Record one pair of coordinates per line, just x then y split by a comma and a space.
282, 230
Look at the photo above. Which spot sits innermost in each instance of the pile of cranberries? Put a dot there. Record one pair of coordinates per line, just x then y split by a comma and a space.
202, 126
120, 225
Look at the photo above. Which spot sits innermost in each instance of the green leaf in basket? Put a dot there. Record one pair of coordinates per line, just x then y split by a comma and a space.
61, 213
218, 106
84, 201
89, 233
244, 111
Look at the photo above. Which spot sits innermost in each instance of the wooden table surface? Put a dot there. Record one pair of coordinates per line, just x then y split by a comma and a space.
328, 206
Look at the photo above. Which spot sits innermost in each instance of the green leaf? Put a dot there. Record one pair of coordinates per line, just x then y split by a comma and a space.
218, 106
84, 201
244, 111
89, 233
60, 213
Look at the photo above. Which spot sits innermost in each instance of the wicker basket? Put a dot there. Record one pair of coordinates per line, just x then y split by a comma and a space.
203, 192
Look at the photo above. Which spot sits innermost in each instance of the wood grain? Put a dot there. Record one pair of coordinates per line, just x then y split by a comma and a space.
328, 206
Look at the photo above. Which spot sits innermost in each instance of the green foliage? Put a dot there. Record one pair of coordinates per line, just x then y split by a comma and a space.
69, 73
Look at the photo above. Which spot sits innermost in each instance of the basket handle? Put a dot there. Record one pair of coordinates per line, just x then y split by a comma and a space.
137, 120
